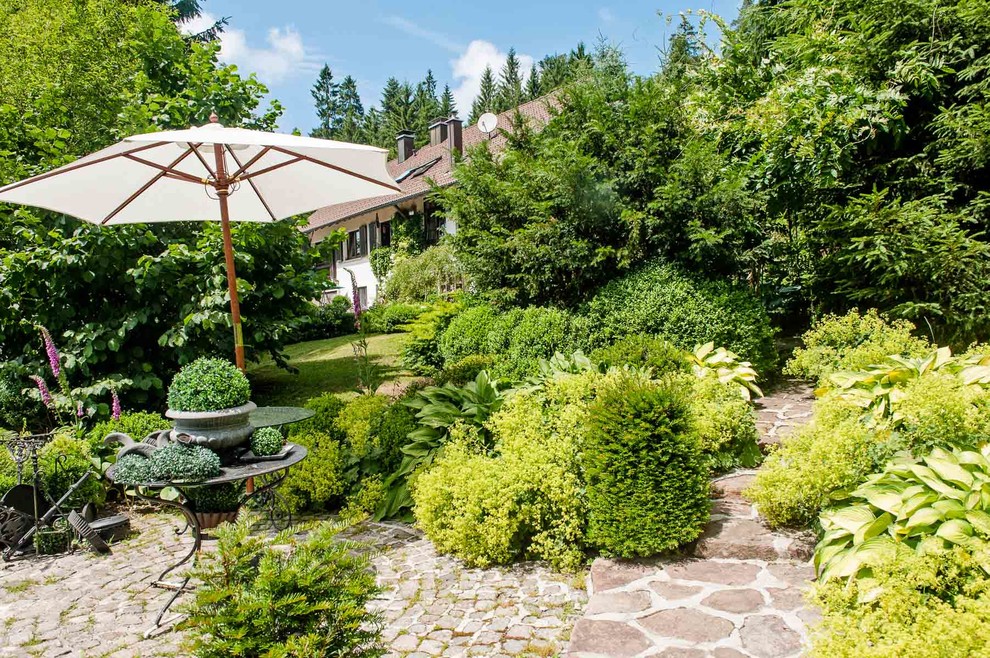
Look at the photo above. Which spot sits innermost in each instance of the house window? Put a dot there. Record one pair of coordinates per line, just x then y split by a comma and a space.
433, 224
357, 243
385, 234
363, 296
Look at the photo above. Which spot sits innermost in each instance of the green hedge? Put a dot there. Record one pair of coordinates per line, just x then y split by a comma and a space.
661, 300
647, 480
390, 318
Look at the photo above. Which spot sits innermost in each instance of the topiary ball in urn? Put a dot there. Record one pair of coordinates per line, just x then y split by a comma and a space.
209, 404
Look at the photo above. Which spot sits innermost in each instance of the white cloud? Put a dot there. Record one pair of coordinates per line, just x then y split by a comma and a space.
605, 15
468, 68
413, 29
284, 56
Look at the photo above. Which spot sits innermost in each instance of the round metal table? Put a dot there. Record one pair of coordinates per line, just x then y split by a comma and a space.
279, 416
237, 471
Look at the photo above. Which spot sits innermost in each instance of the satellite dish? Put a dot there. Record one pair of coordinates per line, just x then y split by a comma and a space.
487, 123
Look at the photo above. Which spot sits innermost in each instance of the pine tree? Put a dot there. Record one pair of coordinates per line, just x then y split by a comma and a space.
398, 112
325, 95
350, 111
683, 52
510, 86
448, 107
485, 101
554, 72
427, 107
533, 88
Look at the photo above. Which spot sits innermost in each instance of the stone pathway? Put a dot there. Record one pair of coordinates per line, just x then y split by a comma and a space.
86, 605
737, 592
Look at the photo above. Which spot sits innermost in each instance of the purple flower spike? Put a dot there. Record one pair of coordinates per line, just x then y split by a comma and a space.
53, 357
46, 396
115, 408
79, 410
356, 299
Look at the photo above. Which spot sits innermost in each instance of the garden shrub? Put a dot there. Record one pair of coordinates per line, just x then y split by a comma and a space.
834, 451
136, 425
208, 384
326, 321
938, 410
326, 407
58, 476
852, 342
8, 470
390, 430
645, 352
318, 480
523, 499
175, 462
422, 351
465, 370
647, 480
355, 421
390, 318
16, 409
725, 423
298, 595
267, 441
420, 277
660, 300
467, 333
923, 606
501, 331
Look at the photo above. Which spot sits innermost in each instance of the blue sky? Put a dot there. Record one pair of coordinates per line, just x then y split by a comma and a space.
286, 42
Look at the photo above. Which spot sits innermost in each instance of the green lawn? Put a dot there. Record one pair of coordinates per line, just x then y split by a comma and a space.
324, 366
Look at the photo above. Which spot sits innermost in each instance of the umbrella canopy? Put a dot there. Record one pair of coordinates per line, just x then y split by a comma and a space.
208, 173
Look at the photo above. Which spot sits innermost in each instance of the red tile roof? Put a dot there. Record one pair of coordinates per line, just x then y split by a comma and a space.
536, 112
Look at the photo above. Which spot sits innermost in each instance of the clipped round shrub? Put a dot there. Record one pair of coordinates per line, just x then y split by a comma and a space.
267, 441
467, 333
217, 498
540, 333
661, 300
132, 469
136, 425
319, 479
175, 462
208, 384
64, 460
645, 352
465, 370
647, 480
852, 342
327, 407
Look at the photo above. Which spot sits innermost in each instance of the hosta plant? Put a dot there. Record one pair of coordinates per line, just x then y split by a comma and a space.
942, 500
706, 361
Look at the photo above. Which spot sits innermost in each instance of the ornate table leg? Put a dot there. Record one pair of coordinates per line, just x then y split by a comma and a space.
192, 524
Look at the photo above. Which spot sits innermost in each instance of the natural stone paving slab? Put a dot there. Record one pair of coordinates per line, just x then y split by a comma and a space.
85, 605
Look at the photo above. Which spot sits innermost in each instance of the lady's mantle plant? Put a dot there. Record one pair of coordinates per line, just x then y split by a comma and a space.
208, 384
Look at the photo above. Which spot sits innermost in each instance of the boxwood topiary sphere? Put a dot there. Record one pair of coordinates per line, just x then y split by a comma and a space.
266, 441
177, 462
208, 385
132, 469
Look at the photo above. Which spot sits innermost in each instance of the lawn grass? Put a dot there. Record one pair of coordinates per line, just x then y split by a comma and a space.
325, 366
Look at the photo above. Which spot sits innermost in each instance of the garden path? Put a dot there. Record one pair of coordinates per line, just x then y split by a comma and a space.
737, 593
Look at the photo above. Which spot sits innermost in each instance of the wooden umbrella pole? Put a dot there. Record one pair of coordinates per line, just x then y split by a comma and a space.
222, 186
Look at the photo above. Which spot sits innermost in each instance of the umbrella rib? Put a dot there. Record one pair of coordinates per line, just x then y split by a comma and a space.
347, 172
179, 175
251, 182
154, 179
243, 168
203, 161
73, 167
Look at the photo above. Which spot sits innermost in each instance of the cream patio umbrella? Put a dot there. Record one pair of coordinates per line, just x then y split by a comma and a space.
209, 173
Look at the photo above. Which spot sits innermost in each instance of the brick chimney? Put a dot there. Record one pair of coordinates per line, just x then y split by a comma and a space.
404, 141
438, 132
454, 135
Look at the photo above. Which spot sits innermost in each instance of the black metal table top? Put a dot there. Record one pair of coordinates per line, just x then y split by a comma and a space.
278, 416
237, 471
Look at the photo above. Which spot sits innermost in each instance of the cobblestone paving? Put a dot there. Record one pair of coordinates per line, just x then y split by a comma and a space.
86, 605
738, 592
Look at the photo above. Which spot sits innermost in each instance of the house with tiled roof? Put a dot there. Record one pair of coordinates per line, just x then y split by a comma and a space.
417, 171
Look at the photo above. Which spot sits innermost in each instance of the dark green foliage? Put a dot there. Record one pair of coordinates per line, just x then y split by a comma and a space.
267, 441
305, 595
327, 407
466, 370
136, 425
218, 498
422, 352
326, 321
647, 482
467, 333
176, 462
659, 299
132, 469
208, 385
390, 318
18, 410
390, 430
645, 352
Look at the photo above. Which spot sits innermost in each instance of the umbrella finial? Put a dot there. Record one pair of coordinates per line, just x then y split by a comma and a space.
214, 118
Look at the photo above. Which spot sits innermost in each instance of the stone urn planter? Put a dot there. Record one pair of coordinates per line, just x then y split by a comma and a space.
217, 430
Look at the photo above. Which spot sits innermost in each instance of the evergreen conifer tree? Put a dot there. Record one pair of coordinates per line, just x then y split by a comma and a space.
510, 85
486, 99
325, 96
448, 107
